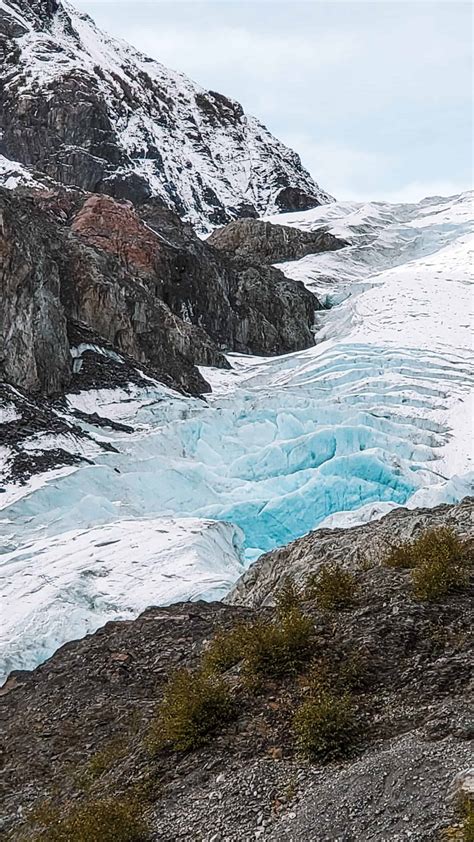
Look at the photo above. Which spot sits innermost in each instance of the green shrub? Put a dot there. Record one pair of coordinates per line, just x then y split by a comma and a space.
274, 648
332, 587
99, 820
102, 761
226, 649
279, 648
434, 578
463, 830
340, 672
288, 596
468, 821
433, 545
195, 705
439, 559
325, 726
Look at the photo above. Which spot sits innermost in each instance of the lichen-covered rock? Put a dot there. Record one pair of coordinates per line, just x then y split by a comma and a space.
304, 556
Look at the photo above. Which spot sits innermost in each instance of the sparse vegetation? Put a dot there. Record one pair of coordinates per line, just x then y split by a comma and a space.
288, 597
99, 820
434, 578
333, 588
273, 648
439, 561
103, 760
325, 726
227, 648
433, 545
280, 647
340, 672
463, 830
195, 705
468, 821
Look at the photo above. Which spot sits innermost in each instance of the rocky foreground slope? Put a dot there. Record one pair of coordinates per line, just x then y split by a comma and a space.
93, 112
77, 729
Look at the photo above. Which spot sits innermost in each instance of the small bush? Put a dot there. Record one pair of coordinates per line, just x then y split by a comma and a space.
468, 821
463, 830
103, 760
288, 597
432, 579
226, 649
279, 648
325, 726
440, 561
433, 545
100, 820
267, 648
332, 587
195, 705
341, 672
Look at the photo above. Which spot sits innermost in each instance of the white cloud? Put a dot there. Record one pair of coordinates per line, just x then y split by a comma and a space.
338, 167
355, 174
223, 50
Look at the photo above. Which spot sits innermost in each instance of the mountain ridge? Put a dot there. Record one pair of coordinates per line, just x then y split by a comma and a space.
92, 112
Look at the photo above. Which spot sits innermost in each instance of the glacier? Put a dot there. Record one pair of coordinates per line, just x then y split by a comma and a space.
377, 414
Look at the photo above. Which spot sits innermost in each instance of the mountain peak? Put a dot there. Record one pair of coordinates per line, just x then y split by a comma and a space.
92, 112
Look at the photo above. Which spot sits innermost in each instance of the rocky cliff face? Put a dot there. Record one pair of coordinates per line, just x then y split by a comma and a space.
144, 284
92, 112
241, 305
49, 278
76, 728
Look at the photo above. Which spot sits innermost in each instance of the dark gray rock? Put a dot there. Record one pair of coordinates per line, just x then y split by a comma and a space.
34, 349
259, 240
242, 305
48, 277
292, 199
143, 283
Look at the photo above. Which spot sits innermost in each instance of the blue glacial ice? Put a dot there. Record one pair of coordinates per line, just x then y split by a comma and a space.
377, 414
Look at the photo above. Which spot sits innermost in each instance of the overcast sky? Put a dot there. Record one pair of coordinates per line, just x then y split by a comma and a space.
375, 96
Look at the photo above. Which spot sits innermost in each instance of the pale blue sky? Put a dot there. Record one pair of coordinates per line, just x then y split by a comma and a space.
375, 96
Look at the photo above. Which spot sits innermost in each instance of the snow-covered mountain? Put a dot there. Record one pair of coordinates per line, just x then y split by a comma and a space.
93, 112
377, 414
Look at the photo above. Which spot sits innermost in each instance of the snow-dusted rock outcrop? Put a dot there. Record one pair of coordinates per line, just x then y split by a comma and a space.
93, 112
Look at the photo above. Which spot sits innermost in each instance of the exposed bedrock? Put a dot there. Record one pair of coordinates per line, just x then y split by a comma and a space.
34, 349
144, 283
241, 305
260, 240
49, 276
304, 556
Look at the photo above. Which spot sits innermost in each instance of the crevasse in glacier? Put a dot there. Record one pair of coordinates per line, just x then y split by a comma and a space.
377, 414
